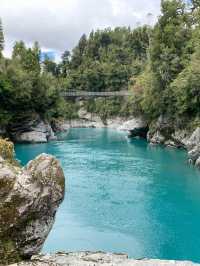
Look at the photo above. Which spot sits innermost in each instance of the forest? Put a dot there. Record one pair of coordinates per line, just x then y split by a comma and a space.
159, 64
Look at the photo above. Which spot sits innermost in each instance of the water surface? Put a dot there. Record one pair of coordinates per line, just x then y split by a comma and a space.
123, 196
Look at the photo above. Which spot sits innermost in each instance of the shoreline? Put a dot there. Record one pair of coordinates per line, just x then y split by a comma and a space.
88, 258
162, 132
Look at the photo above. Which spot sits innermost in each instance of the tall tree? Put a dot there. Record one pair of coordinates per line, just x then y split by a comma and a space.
1, 38
78, 52
50, 66
169, 41
65, 63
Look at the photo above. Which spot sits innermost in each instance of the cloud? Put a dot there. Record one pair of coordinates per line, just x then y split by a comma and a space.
58, 24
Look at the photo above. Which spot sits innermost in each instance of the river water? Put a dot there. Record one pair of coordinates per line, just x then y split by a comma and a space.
123, 196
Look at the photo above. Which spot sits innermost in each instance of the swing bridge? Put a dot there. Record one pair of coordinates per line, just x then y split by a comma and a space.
89, 94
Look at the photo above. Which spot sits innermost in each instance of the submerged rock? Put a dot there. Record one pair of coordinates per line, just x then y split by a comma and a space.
96, 259
29, 198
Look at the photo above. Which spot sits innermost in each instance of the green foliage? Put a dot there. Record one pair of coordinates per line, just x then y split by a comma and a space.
24, 88
186, 88
169, 41
109, 107
160, 65
107, 59
169, 83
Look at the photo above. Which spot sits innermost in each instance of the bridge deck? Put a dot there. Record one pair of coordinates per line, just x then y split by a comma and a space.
96, 93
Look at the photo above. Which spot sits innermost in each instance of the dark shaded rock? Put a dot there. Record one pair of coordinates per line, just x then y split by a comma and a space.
32, 129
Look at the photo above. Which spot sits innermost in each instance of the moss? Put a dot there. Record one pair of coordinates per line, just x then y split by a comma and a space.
8, 252
5, 187
7, 151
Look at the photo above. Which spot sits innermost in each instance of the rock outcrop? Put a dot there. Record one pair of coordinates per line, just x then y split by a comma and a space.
29, 198
97, 259
32, 130
137, 127
164, 132
193, 146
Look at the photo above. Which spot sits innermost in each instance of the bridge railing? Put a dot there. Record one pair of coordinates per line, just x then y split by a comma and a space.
96, 93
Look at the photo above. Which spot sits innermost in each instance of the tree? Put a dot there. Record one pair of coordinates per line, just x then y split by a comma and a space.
50, 66
1, 38
186, 88
29, 58
169, 41
19, 50
64, 66
78, 52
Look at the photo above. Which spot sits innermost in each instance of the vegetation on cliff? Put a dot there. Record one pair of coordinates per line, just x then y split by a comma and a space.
159, 64
169, 84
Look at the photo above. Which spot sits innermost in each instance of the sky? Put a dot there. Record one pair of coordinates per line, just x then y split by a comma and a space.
58, 24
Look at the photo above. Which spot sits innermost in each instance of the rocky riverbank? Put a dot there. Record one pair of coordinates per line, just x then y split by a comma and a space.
162, 132
97, 259
136, 126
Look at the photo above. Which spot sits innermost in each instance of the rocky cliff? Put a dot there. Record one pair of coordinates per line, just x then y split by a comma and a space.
29, 198
31, 129
166, 133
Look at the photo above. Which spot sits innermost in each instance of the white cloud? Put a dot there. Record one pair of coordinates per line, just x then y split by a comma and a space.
58, 24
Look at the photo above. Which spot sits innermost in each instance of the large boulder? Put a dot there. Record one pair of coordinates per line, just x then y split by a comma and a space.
32, 129
137, 127
39, 133
156, 137
164, 131
194, 140
29, 198
97, 259
194, 153
193, 147
88, 119
197, 162
115, 122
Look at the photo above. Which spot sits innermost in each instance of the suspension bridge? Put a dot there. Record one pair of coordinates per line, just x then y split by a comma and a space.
88, 94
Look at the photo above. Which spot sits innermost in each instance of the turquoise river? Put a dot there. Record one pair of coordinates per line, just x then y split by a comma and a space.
123, 196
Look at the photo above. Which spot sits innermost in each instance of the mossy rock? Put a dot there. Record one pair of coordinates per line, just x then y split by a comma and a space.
30, 197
